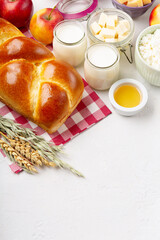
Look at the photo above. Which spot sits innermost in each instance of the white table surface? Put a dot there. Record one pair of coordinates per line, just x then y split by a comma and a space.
120, 196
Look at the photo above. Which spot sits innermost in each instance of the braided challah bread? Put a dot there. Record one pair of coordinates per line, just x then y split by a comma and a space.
33, 82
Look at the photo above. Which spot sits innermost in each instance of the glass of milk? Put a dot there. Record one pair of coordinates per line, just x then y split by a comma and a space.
101, 66
70, 42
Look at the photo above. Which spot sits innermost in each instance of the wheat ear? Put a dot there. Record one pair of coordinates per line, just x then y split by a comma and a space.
15, 156
26, 150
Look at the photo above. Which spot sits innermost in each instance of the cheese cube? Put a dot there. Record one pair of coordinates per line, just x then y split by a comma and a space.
100, 36
122, 28
132, 3
102, 20
145, 2
122, 37
108, 33
126, 23
140, 3
122, 1
112, 21
111, 40
95, 28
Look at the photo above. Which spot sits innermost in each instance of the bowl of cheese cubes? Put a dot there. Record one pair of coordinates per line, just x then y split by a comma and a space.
134, 8
110, 26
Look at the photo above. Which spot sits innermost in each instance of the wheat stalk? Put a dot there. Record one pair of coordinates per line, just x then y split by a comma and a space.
16, 157
47, 150
26, 150
31, 153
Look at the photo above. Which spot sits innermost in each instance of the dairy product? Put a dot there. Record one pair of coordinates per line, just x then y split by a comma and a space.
146, 2
149, 49
135, 3
71, 33
112, 21
101, 66
102, 20
95, 28
108, 33
110, 27
69, 43
102, 56
123, 27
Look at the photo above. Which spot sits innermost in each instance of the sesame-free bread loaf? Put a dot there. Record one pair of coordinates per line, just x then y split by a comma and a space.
33, 82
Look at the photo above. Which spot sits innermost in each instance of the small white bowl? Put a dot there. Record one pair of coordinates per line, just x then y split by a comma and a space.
124, 110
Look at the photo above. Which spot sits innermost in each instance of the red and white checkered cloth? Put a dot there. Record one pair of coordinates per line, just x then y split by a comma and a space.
90, 110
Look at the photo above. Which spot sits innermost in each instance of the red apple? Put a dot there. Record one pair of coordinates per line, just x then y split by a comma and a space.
18, 12
42, 24
155, 16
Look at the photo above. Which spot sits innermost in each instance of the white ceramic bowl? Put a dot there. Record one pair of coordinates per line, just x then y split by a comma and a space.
149, 73
128, 111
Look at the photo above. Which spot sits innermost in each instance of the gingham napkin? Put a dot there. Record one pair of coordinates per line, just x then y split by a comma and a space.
90, 110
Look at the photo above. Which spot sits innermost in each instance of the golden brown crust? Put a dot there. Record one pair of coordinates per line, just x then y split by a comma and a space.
33, 82
64, 75
7, 31
52, 104
15, 82
23, 47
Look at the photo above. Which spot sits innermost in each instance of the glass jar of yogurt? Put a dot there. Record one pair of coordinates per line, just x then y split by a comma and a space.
101, 66
70, 42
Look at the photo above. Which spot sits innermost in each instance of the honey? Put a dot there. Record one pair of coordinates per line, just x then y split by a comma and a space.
127, 96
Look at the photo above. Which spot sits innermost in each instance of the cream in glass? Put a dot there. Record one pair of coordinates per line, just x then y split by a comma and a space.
101, 66
70, 43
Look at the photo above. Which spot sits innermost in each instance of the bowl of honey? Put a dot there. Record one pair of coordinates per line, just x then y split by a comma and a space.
128, 96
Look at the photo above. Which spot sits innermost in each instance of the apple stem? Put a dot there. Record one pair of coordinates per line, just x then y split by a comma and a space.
49, 17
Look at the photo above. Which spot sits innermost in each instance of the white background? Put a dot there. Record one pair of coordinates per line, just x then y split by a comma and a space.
120, 197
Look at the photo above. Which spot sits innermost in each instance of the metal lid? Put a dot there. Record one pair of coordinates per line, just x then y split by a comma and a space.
76, 9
